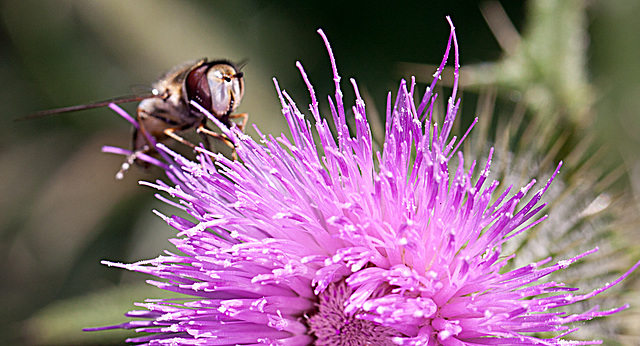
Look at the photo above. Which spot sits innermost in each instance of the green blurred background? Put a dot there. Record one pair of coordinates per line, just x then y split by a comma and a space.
62, 211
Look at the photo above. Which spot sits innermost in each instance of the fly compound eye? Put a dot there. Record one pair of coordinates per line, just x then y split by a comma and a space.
216, 86
226, 88
237, 88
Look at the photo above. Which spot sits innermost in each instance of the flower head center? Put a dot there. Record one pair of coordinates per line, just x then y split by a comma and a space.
332, 326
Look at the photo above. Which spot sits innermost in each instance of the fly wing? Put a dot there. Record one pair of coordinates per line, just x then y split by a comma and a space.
98, 104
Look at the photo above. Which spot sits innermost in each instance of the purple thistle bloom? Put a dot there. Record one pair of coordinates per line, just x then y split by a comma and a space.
331, 243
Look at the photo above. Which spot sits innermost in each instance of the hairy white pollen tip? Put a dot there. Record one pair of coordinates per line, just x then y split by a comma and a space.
279, 216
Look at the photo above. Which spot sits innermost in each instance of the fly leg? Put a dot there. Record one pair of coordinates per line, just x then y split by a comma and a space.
131, 158
204, 132
153, 127
243, 116
160, 125
171, 132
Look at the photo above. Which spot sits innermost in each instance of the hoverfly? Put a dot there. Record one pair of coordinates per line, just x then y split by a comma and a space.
217, 86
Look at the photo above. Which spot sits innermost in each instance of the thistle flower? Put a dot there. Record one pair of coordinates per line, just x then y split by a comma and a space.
330, 243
